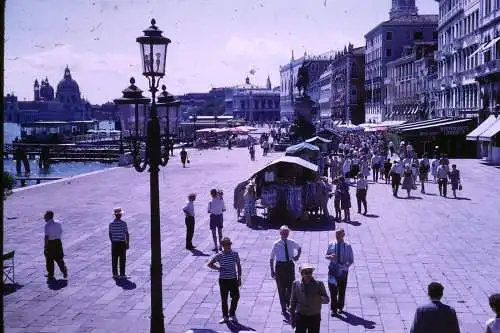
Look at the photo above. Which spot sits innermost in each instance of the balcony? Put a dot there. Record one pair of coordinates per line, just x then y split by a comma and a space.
457, 79
454, 11
471, 39
490, 68
457, 44
480, 70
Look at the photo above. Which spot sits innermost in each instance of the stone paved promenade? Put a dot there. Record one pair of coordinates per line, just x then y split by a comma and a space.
398, 250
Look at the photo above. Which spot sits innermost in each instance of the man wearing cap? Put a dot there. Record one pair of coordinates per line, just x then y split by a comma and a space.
284, 252
53, 249
305, 304
396, 172
435, 317
229, 279
119, 237
341, 258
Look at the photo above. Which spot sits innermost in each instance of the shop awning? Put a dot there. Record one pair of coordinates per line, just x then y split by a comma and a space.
301, 146
439, 124
479, 49
290, 160
474, 135
318, 138
491, 43
490, 132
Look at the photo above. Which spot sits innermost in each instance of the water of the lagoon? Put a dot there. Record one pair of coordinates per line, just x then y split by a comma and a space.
68, 169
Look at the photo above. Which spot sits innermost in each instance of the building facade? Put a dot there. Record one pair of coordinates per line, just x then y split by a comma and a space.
316, 66
460, 57
410, 92
253, 103
386, 42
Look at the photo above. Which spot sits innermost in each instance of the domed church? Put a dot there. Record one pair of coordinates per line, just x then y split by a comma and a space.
68, 91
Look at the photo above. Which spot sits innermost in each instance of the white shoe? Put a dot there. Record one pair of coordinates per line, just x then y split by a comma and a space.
233, 319
224, 320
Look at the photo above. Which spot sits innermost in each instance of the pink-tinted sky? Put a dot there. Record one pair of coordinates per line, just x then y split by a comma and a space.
214, 42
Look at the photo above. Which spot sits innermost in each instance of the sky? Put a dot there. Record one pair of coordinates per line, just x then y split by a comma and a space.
215, 43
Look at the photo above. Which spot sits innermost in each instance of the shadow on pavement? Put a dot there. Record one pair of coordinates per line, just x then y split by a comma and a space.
430, 194
237, 327
200, 330
373, 216
412, 197
354, 320
10, 288
462, 198
57, 284
354, 223
125, 284
198, 253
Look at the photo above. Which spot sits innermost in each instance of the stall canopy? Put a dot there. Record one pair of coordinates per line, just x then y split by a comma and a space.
419, 123
318, 139
292, 150
438, 124
490, 132
289, 160
474, 135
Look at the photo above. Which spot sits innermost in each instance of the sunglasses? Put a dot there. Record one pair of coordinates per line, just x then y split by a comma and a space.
308, 272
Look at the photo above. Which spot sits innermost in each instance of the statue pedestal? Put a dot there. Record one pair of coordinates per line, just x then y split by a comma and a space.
303, 128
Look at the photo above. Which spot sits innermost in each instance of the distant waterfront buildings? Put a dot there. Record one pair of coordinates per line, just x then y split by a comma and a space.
386, 42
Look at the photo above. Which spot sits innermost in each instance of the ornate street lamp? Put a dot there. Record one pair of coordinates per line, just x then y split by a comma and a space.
195, 117
153, 46
172, 108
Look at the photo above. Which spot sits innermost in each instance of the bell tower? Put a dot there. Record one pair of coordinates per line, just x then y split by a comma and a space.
36, 89
403, 8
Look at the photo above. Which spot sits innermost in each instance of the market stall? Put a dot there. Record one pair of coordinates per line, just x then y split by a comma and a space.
304, 150
288, 187
322, 143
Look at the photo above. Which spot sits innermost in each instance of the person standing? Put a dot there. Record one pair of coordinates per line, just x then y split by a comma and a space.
434, 167
250, 204
184, 157
423, 171
119, 237
334, 167
341, 257
307, 297
229, 279
376, 161
387, 170
283, 252
251, 150
455, 181
189, 220
53, 249
345, 198
493, 325
365, 167
361, 191
326, 189
216, 208
407, 180
442, 175
396, 172
336, 200
435, 317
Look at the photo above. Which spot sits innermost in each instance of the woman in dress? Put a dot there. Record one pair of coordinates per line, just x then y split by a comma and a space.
345, 199
423, 170
365, 168
407, 180
434, 167
249, 203
455, 179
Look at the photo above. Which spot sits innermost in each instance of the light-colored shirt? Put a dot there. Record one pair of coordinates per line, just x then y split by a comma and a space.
53, 230
494, 325
442, 171
278, 250
362, 184
189, 208
118, 231
216, 206
345, 255
397, 168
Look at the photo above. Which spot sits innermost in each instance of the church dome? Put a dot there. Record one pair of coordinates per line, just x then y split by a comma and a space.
68, 90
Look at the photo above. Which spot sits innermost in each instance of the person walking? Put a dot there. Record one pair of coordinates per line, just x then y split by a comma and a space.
249, 204
251, 150
326, 190
53, 250
307, 297
442, 175
229, 268
493, 325
396, 172
216, 208
376, 161
387, 170
345, 198
336, 200
119, 237
365, 167
434, 166
341, 257
361, 191
435, 317
407, 181
189, 220
423, 171
184, 157
334, 167
285, 251
455, 181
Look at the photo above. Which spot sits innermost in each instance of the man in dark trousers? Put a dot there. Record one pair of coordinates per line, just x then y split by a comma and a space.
284, 252
184, 157
53, 249
435, 317
119, 237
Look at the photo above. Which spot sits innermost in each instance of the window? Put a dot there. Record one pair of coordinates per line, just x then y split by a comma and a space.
388, 35
418, 35
388, 52
435, 35
256, 104
242, 103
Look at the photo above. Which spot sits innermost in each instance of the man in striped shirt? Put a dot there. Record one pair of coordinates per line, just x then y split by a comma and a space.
118, 235
229, 278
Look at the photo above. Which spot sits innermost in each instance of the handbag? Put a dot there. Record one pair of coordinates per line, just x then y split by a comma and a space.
460, 187
414, 187
188, 161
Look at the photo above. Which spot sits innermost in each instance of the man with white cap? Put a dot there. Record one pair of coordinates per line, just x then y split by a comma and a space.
307, 297
284, 253
119, 237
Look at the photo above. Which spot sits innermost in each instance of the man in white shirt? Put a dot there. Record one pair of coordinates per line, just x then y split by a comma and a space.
53, 249
361, 191
189, 220
396, 172
216, 208
442, 175
284, 253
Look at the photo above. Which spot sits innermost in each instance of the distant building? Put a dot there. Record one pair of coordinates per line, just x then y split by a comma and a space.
66, 104
386, 43
253, 103
409, 84
10, 109
288, 78
460, 55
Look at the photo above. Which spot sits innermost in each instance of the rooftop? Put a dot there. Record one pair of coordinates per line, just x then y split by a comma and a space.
428, 19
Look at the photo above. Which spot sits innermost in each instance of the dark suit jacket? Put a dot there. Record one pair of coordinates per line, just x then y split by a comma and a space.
435, 317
